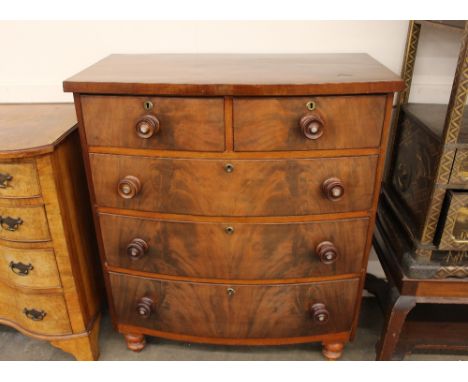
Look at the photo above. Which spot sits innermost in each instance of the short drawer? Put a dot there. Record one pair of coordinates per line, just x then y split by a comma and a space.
18, 179
234, 187
165, 123
30, 268
235, 311
453, 230
234, 250
287, 123
39, 313
28, 224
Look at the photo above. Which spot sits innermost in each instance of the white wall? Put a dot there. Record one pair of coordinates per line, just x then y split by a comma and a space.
37, 56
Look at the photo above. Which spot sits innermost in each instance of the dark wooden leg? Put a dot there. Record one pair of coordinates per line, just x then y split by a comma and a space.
379, 288
333, 350
394, 320
135, 342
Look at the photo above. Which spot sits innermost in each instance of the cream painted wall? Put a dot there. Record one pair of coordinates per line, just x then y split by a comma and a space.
38, 56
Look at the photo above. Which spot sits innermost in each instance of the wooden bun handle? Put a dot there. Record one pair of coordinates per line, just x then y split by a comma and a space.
129, 187
327, 252
137, 248
312, 125
144, 307
319, 313
333, 189
147, 126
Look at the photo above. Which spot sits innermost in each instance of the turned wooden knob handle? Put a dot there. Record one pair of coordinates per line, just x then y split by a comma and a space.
129, 187
333, 189
327, 252
144, 307
137, 248
319, 313
147, 126
312, 125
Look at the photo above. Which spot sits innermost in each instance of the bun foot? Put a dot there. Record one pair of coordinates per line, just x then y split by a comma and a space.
332, 351
135, 342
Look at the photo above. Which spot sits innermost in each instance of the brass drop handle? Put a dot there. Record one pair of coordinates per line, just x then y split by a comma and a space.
129, 187
21, 269
312, 125
4, 179
144, 307
326, 252
147, 126
319, 313
33, 314
137, 248
9, 223
333, 189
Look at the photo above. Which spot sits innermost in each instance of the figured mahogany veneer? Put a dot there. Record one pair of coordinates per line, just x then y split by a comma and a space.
251, 251
234, 195
232, 188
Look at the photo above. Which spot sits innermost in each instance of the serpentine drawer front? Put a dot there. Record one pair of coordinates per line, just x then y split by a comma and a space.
48, 270
235, 195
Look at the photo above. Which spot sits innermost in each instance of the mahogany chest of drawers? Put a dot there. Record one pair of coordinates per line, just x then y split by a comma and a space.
234, 195
48, 270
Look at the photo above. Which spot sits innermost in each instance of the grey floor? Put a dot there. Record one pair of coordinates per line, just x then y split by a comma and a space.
14, 346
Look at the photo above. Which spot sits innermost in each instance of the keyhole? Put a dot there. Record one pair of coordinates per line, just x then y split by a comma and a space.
148, 105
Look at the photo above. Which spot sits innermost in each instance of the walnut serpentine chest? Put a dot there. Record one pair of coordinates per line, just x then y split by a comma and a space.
234, 195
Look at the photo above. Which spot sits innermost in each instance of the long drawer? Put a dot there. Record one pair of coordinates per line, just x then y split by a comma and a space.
287, 123
168, 123
215, 187
235, 311
234, 250
39, 313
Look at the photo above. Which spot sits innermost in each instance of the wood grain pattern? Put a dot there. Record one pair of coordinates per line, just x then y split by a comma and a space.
235, 74
34, 226
269, 124
185, 123
209, 310
33, 129
203, 187
252, 251
13, 303
44, 272
23, 183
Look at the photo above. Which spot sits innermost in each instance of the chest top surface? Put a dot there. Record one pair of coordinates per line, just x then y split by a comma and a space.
236, 75
34, 128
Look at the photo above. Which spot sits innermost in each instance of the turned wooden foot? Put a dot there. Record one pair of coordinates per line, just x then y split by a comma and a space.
332, 351
135, 342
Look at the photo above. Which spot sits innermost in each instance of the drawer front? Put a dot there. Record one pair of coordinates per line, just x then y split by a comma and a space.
454, 232
270, 124
18, 179
234, 251
31, 268
235, 311
233, 188
39, 313
28, 224
459, 174
181, 123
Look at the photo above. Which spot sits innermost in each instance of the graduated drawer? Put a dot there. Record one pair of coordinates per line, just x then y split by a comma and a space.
39, 313
172, 123
233, 187
18, 179
234, 250
234, 311
286, 123
30, 268
28, 224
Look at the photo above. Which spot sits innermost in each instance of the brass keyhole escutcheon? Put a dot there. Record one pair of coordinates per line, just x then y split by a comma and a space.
310, 105
229, 167
148, 105
230, 291
229, 230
